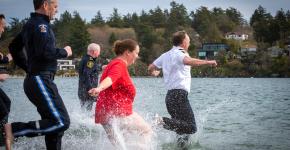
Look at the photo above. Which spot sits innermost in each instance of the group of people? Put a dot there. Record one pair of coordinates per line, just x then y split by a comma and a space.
115, 93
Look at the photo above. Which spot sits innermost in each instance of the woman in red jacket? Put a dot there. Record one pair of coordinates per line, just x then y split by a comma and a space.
116, 93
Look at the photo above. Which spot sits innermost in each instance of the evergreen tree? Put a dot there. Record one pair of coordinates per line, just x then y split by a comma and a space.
16, 26
235, 16
112, 38
281, 20
115, 20
127, 19
260, 22
145, 18
202, 22
223, 21
178, 15
62, 29
79, 38
157, 18
98, 20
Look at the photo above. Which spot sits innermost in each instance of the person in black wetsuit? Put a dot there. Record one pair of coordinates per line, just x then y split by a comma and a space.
40, 63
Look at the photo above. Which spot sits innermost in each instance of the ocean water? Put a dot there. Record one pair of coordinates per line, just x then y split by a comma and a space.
231, 114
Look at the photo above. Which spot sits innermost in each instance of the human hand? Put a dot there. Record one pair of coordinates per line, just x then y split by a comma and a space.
3, 77
68, 50
155, 73
213, 63
94, 91
104, 66
9, 57
1, 56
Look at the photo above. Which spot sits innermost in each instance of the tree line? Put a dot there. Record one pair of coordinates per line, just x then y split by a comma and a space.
153, 30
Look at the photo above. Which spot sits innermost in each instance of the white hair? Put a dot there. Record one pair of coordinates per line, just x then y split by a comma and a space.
94, 47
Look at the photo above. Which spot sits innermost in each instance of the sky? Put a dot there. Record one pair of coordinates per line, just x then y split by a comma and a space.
88, 8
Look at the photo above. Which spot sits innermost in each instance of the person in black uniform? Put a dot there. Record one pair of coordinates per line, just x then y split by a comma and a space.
89, 69
5, 102
4, 99
40, 63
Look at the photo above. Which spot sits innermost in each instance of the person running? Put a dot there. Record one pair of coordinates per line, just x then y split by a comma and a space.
176, 65
89, 68
5, 101
116, 93
40, 65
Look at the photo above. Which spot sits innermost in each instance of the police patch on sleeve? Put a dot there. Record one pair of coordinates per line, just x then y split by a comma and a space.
43, 28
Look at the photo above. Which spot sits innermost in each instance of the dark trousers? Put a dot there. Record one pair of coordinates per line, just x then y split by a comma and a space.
43, 93
4, 111
4, 104
182, 118
87, 101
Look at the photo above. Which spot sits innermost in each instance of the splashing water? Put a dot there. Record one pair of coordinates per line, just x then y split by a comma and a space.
252, 117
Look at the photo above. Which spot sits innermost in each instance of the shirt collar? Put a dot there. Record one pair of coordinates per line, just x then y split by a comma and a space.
45, 17
177, 47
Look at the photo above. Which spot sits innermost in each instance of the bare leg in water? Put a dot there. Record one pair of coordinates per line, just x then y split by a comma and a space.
127, 125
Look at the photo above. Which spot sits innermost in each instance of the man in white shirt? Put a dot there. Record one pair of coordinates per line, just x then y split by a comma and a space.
176, 65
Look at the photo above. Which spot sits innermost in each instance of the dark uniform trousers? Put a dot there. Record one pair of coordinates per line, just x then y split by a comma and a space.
182, 118
4, 111
43, 93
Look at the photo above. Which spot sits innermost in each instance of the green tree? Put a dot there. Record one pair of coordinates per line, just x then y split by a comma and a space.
62, 28
112, 38
157, 18
115, 20
98, 20
235, 16
131, 20
16, 26
223, 21
178, 18
178, 15
281, 66
147, 38
260, 21
202, 20
283, 25
145, 18
79, 35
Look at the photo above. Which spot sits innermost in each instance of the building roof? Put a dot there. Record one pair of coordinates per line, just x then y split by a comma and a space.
235, 33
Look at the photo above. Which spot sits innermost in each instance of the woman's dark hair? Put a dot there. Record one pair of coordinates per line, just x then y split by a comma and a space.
120, 46
178, 37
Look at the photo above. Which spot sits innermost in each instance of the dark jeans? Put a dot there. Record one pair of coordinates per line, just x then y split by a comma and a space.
43, 93
182, 118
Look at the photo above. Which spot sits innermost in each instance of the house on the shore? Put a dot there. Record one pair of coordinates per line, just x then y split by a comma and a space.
65, 64
276, 51
248, 50
236, 36
209, 50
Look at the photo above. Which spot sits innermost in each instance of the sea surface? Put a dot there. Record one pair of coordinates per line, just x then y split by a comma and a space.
231, 114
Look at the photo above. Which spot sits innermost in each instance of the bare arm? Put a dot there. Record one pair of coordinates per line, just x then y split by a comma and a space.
107, 82
198, 62
153, 70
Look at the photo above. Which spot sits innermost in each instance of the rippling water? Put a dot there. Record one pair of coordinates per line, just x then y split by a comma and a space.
231, 114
